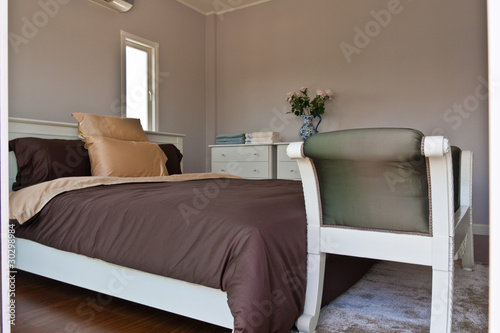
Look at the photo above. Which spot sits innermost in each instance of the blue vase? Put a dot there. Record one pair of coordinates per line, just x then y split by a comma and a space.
307, 129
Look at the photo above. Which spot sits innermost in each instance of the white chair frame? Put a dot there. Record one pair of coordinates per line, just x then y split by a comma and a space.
451, 233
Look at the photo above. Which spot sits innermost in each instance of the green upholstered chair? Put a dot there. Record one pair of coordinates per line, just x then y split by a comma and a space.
388, 194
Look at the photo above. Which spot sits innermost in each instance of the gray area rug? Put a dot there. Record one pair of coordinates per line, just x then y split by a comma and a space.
395, 297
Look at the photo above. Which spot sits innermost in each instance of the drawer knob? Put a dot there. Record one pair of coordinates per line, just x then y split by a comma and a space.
254, 170
222, 170
222, 155
291, 170
254, 154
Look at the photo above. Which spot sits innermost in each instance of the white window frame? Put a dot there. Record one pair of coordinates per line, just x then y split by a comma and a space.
152, 49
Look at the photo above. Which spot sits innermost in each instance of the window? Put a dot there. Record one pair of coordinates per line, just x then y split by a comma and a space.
140, 80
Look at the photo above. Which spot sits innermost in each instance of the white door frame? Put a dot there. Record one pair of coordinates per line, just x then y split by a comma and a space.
494, 162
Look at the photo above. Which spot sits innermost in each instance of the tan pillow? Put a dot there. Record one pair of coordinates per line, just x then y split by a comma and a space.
118, 158
128, 129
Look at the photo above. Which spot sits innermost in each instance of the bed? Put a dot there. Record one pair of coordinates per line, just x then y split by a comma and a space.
259, 280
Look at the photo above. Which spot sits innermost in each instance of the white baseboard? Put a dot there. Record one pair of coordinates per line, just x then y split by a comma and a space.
481, 229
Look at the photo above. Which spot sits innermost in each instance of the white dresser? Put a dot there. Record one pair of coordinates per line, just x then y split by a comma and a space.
254, 161
247, 161
286, 167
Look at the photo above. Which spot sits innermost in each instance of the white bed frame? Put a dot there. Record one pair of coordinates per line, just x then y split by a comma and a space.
180, 297
451, 235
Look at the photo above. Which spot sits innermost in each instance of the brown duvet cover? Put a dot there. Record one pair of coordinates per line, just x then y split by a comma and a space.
246, 237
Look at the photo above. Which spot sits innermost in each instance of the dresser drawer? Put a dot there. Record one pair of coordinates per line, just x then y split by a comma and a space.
241, 154
286, 167
282, 155
243, 169
288, 170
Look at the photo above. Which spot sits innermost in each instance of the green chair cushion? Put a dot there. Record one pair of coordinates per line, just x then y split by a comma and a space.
372, 178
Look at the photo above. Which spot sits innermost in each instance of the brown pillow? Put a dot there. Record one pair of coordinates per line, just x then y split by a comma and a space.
174, 158
40, 160
128, 129
118, 158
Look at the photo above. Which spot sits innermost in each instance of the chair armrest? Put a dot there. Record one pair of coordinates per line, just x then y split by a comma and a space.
435, 146
295, 150
311, 195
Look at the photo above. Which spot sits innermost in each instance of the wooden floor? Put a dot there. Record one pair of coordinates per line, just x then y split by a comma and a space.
48, 306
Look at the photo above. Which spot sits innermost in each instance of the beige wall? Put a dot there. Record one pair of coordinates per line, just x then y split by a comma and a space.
423, 67
71, 63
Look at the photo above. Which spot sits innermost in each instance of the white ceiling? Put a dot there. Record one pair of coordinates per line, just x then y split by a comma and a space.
209, 7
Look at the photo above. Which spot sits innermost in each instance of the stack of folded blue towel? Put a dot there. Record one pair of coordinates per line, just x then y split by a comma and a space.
230, 139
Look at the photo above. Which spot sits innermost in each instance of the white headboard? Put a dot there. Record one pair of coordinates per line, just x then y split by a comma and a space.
21, 127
